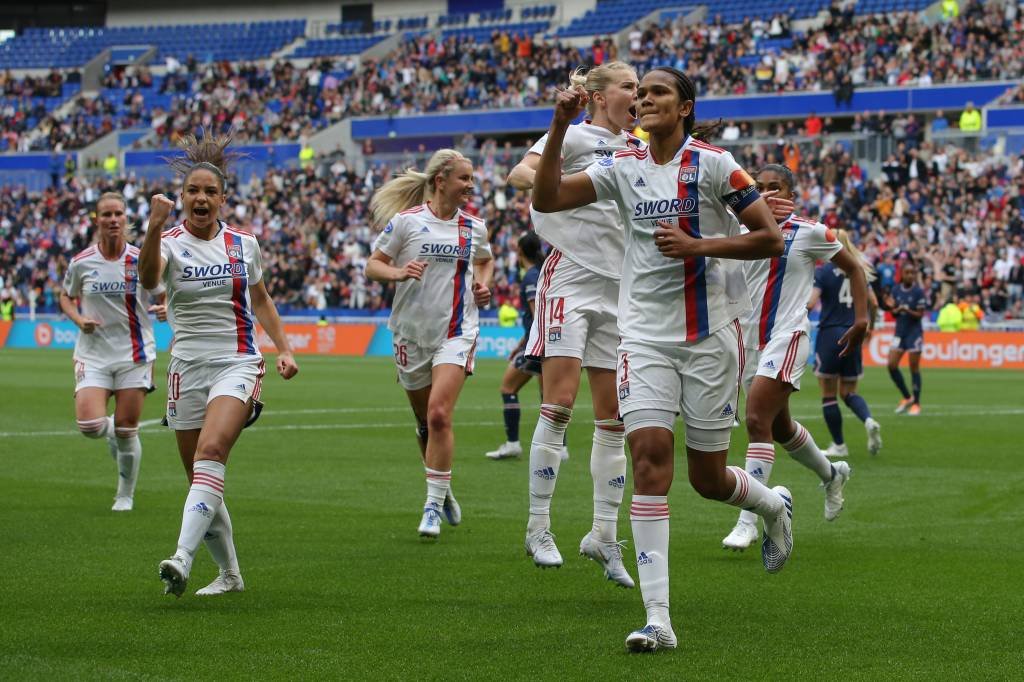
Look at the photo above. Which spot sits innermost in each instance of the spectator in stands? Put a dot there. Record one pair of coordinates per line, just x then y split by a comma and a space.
970, 119
813, 125
950, 317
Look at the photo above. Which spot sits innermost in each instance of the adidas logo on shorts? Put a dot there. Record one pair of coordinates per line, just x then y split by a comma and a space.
769, 365
727, 411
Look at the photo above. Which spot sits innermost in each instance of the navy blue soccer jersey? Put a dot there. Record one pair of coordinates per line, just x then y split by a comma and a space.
912, 298
527, 293
836, 297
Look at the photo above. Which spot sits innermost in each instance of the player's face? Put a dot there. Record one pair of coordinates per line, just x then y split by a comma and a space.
110, 218
659, 107
618, 100
769, 181
457, 186
908, 275
202, 198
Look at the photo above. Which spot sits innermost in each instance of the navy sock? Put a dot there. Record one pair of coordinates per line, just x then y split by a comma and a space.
897, 378
858, 405
915, 381
833, 419
511, 401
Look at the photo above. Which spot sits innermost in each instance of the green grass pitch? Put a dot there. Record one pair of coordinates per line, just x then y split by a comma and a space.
918, 579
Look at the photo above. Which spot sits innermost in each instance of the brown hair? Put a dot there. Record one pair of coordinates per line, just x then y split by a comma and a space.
209, 153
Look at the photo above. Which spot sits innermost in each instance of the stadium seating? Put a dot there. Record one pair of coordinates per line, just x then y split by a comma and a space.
484, 33
320, 47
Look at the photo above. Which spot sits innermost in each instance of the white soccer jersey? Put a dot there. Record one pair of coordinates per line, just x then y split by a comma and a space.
591, 236
780, 287
440, 306
208, 293
110, 293
668, 300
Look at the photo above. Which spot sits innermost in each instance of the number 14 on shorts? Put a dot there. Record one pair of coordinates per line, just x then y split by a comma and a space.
556, 316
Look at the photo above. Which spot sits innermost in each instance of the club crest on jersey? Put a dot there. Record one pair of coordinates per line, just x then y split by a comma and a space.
465, 232
131, 272
235, 251
389, 228
555, 334
687, 174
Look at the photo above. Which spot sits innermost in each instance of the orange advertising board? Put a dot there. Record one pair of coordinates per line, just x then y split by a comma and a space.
989, 350
332, 339
5, 329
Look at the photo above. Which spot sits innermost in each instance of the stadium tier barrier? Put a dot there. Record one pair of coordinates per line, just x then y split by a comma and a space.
976, 349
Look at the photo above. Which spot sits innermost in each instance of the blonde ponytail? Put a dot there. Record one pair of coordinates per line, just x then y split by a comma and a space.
596, 79
410, 188
844, 238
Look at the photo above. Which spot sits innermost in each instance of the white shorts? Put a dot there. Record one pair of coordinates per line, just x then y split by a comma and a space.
192, 385
785, 358
698, 380
576, 314
415, 363
113, 377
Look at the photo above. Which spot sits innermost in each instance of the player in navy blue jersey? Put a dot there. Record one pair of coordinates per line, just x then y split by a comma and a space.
907, 303
839, 375
520, 368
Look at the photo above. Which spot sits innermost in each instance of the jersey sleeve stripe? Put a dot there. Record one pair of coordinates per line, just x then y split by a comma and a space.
131, 282
85, 254
704, 145
695, 283
239, 295
459, 280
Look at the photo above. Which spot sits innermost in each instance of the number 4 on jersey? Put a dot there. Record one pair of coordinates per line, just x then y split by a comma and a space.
845, 297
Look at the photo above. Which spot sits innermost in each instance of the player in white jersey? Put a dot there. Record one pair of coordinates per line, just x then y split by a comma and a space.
114, 354
214, 278
775, 340
440, 256
678, 312
575, 323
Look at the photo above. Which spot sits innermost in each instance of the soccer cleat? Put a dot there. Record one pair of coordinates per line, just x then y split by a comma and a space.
741, 537
777, 544
174, 573
915, 410
904, 405
834, 490
430, 524
541, 546
651, 637
563, 454
840, 450
874, 430
609, 555
226, 581
452, 510
122, 503
506, 451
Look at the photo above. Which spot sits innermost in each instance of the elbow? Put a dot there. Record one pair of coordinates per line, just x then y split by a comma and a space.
775, 244
542, 203
148, 281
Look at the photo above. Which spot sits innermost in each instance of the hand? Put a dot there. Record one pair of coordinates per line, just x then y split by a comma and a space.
481, 295
412, 270
160, 311
673, 242
569, 104
781, 208
853, 337
160, 208
286, 366
87, 325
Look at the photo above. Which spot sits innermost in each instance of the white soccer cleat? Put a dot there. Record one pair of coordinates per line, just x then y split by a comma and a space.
651, 637
506, 451
609, 555
563, 454
452, 510
226, 581
874, 430
430, 524
837, 451
741, 537
834, 490
174, 573
541, 546
122, 503
777, 544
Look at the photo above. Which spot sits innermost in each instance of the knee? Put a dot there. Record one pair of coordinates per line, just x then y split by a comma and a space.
758, 426
439, 418
212, 449
92, 428
845, 393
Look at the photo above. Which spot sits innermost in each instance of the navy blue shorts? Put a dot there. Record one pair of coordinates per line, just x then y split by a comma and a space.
912, 341
827, 362
527, 364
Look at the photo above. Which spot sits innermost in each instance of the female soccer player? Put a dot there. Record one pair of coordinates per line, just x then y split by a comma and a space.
576, 324
114, 354
214, 278
775, 340
678, 315
520, 368
907, 303
838, 375
436, 252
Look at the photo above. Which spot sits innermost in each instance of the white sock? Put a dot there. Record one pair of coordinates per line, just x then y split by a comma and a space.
608, 470
220, 540
760, 459
752, 495
129, 457
204, 499
803, 449
100, 427
438, 483
545, 456
648, 515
